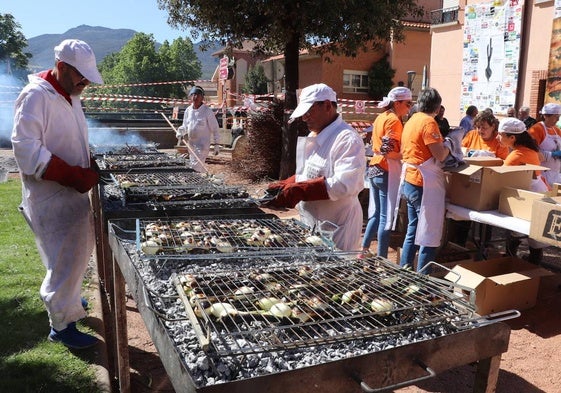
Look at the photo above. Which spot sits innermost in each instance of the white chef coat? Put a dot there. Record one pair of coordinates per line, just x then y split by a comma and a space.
60, 217
199, 125
337, 153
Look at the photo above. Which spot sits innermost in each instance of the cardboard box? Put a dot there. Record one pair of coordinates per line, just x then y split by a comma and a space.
518, 203
546, 221
500, 284
479, 188
483, 161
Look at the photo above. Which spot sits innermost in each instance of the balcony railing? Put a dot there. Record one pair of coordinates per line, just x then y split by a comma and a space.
445, 15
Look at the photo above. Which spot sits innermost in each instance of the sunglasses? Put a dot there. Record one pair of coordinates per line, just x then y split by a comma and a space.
82, 77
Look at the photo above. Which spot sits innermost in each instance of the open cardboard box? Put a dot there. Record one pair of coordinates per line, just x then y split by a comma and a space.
479, 187
518, 203
546, 221
500, 284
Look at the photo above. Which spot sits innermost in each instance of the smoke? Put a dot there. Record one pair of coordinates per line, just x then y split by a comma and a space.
9, 90
101, 135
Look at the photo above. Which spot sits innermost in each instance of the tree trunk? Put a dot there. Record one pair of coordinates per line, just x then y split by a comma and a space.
290, 131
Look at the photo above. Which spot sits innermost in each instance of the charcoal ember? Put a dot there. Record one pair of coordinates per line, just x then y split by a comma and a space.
203, 363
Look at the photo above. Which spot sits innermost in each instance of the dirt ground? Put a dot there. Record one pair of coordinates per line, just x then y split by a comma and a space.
531, 364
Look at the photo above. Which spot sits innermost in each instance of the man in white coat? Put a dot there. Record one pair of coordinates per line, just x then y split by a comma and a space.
330, 165
199, 125
50, 143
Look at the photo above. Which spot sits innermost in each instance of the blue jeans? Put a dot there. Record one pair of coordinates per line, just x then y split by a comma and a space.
413, 194
377, 223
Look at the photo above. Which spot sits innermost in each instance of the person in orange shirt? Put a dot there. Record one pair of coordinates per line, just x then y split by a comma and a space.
548, 137
482, 141
524, 150
423, 150
385, 167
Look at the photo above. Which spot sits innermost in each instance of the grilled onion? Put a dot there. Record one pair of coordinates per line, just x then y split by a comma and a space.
381, 305
150, 247
220, 310
280, 310
265, 303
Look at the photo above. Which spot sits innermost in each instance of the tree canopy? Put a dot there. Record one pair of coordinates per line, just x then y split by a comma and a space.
139, 62
328, 26
13, 59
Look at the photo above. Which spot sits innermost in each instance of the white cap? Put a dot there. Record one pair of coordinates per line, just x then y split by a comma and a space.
551, 109
80, 56
399, 93
511, 125
311, 94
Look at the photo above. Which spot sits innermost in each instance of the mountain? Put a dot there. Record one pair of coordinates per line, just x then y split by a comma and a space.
103, 41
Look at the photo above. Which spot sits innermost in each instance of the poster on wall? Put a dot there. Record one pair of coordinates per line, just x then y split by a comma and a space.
553, 85
491, 52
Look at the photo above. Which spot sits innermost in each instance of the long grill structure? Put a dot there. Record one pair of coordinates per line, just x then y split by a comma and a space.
236, 300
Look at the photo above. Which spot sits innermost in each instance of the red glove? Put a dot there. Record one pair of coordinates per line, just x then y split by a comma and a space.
281, 183
82, 179
310, 190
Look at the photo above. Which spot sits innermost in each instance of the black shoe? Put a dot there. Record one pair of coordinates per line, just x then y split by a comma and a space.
535, 256
72, 337
512, 244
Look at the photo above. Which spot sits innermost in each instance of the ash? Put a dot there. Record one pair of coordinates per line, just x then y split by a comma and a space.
207, 368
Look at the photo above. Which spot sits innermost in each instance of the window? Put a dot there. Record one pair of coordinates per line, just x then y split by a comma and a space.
445, 15
355, 81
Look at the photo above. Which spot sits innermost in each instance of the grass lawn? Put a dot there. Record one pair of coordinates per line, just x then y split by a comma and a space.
28, 361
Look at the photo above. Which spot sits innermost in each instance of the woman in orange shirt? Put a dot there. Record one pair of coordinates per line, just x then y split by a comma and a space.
513, 134
423, 150
385, 167
482, 141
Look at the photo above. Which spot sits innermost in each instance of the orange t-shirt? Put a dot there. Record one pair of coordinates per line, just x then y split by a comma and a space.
388, 126
473, 141
537, 131
522, 155
419, 131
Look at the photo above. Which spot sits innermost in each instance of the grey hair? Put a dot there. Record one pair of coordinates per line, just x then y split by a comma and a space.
429, 100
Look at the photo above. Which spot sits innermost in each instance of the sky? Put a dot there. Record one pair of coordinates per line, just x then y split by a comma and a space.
58, 16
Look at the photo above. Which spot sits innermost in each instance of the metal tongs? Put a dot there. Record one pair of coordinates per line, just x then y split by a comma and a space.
269, 195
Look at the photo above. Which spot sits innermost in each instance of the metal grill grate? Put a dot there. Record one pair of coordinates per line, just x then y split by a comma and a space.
183, 179
97, 149
226, 237
314, 304
138, 161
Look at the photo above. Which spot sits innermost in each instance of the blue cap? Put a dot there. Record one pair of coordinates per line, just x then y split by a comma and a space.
196, 90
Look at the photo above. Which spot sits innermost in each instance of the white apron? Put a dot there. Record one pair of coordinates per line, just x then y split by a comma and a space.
549, 144
431, 215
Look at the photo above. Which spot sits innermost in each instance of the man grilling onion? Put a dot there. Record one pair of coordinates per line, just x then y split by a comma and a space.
330, 165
